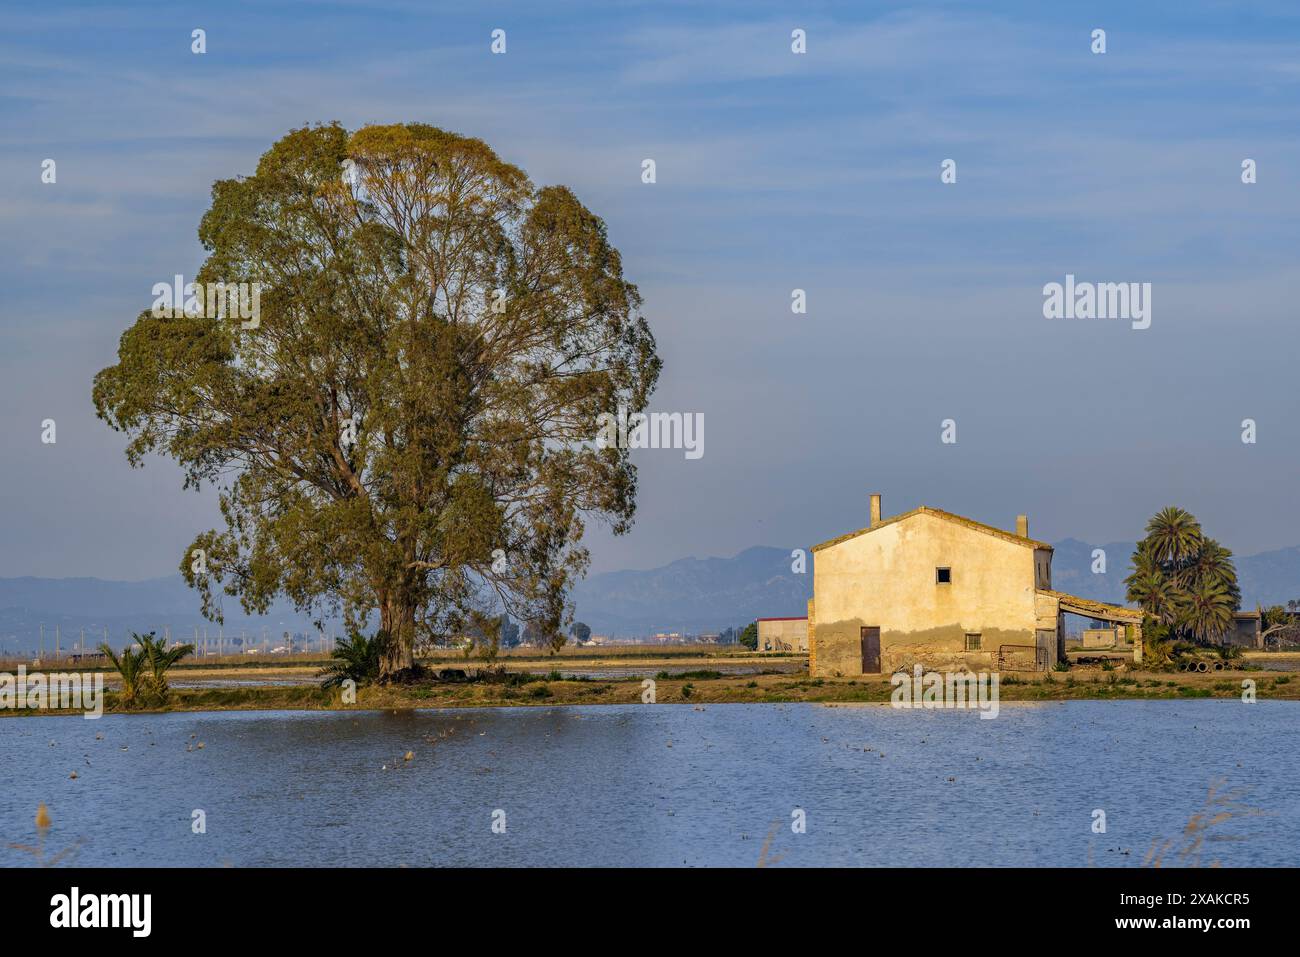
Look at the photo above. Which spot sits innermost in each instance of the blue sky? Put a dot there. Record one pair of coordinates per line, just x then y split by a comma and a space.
775, 172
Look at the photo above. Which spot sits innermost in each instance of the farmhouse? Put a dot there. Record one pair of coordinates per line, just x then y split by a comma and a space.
933, 588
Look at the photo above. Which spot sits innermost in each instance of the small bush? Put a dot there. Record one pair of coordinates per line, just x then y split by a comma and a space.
539, 691
704, 675
356, 659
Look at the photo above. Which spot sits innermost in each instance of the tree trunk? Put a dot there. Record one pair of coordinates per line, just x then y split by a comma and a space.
397, 660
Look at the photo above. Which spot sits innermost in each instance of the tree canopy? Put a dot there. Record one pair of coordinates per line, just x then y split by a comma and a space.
407, 426
1183, 580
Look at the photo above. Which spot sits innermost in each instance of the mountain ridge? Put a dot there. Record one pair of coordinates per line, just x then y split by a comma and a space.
688, 595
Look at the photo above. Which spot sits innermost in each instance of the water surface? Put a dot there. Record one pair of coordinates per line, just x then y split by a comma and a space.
654, 785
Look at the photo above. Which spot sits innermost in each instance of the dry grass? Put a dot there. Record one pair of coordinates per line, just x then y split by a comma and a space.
1078, 684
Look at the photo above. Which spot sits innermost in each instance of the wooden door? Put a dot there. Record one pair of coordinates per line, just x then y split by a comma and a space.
870, 650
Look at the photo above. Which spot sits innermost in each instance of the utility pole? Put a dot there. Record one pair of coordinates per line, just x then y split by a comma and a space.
42, 654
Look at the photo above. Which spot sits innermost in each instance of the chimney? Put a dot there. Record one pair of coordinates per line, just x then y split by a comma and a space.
1022, 526
875, 510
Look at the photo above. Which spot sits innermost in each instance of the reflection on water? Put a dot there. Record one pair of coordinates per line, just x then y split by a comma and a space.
651, 785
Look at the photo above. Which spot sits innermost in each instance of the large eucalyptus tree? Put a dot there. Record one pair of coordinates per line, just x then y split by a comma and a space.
406, 426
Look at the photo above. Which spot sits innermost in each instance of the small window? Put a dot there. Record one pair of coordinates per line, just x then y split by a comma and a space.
973, 642
943, 576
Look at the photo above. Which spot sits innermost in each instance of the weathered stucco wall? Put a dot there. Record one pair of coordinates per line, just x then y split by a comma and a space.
782, 634
886, 578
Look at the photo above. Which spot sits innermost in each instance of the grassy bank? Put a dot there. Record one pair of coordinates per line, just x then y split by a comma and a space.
514, 659
705, 687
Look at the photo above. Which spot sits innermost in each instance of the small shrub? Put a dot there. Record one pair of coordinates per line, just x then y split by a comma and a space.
704, 675
130, 667
356, 659
539, 691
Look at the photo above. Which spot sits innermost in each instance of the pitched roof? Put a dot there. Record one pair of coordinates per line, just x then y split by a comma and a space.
1090, 606
948, 517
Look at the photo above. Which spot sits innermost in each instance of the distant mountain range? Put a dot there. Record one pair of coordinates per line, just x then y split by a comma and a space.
695, 594
690, 595
66, 606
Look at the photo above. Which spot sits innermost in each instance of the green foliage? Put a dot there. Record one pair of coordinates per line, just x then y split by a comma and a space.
580, 632
1157, 646
702, 674
356, 659
1183, 580
130, 666
1279, 628
158, 658
390, 426
144, 671
749, 637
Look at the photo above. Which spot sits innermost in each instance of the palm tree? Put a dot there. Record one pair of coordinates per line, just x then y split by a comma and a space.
356, 659
1213, 563
159, 658
1205, 612
130, 666
1173, 535
1152, 590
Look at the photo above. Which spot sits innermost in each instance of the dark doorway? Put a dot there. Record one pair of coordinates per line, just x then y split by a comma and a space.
1047, 648
870, 650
